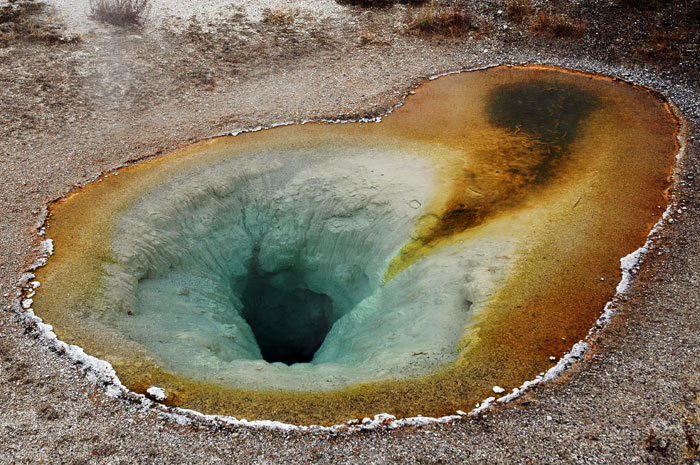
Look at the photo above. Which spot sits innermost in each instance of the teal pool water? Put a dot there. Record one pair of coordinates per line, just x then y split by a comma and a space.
266, 271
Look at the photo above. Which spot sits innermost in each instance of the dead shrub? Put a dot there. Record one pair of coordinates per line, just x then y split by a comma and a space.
450, 21
28, 20
690, 424
557, 25
278, 17
368, 3
661, 45
518, 10
380, 3
16, 10
119, 12
655, 444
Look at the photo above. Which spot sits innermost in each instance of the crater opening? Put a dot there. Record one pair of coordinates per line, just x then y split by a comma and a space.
271, 276
316, 273
289, 320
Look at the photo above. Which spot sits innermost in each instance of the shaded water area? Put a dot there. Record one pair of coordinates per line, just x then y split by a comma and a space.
317, 273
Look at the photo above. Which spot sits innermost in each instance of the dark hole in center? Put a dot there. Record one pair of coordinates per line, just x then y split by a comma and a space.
289, 320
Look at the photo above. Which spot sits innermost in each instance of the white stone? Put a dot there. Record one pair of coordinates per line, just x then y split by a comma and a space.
157, 393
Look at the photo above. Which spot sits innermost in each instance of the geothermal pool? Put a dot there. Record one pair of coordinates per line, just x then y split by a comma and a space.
322, 272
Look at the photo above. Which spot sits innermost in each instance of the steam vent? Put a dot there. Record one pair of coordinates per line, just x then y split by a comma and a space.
316, 273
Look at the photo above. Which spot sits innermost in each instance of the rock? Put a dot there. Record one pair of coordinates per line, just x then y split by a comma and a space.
156, 393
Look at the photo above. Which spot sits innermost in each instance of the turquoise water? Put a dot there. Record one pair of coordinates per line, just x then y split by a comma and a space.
266, 271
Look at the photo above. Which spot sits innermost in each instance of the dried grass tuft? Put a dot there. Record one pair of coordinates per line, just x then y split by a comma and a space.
119, 12
557, 25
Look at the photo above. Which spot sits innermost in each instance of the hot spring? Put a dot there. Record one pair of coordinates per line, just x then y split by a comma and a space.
322, 272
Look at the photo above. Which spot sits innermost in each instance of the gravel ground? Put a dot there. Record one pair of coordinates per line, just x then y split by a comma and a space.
75, 13
71, 111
